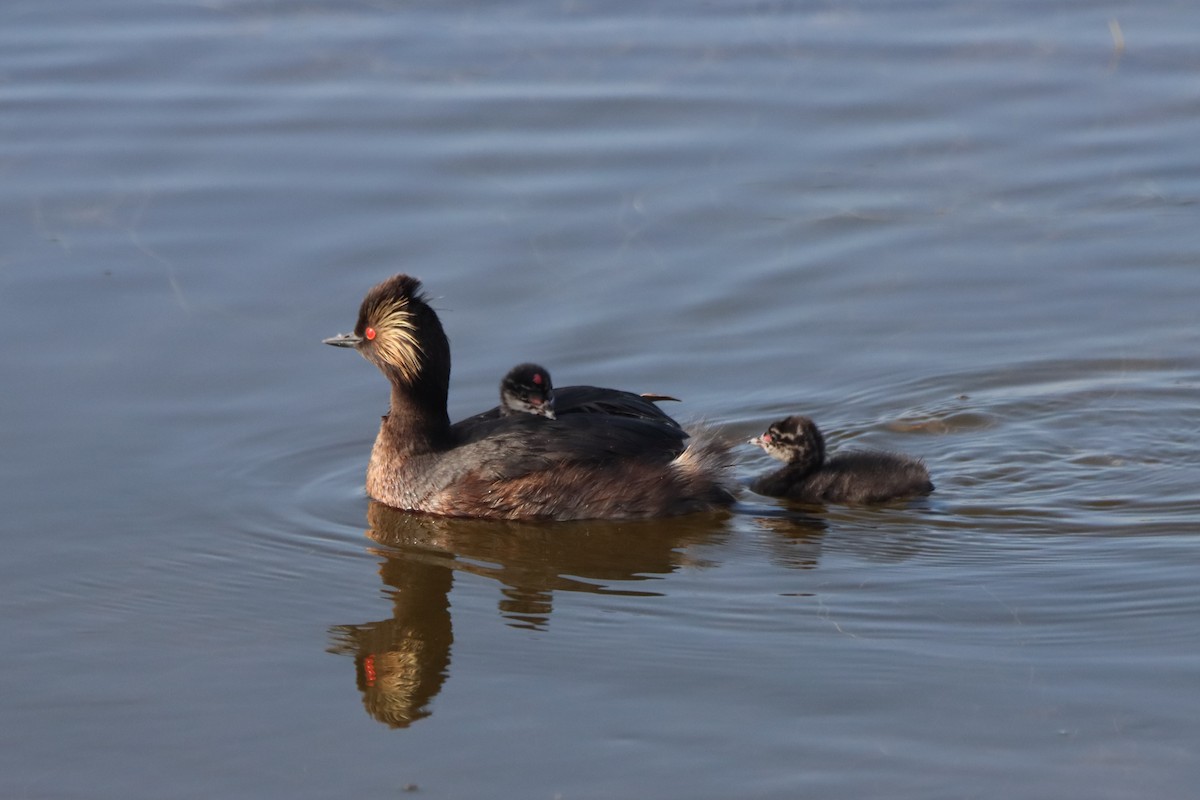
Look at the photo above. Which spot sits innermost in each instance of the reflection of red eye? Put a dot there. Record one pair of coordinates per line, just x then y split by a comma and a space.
369, 668
766, 437
369, 333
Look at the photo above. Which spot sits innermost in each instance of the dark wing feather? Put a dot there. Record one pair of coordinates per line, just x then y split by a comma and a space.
512, 446
591, 400
615, 402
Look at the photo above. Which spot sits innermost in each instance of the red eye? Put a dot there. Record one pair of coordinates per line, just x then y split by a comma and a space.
369, 333
766, 437
537, 378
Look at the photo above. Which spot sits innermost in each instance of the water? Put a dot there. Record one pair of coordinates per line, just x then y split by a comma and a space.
966, 232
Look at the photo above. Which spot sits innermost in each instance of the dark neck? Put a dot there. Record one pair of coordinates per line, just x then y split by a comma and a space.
783, 480
417, 422
800, 468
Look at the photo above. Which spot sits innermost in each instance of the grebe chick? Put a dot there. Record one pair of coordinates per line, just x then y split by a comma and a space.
628, 461
527, 389
854, 476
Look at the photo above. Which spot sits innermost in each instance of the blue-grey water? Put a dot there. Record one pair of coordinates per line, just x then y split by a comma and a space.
966, 231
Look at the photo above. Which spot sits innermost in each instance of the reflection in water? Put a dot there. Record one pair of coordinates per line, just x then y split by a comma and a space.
796, 538
402, 662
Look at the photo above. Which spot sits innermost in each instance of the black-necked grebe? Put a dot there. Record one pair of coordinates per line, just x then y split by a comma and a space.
527, 389
622, 459
854, 476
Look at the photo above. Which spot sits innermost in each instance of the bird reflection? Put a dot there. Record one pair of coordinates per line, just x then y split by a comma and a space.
401, 663
796, 538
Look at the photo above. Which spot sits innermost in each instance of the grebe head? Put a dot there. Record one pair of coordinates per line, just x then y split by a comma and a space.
398, 332
795, 440
527, 389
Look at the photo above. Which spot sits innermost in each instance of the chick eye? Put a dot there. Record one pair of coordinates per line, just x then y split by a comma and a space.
369, 334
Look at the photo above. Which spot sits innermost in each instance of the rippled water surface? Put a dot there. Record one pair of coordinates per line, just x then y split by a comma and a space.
967, 232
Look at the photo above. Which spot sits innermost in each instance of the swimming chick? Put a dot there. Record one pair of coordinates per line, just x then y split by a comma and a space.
627, 461
855, 476
527, 389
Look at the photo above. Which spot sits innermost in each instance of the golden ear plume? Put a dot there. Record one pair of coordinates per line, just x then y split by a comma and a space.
396, 343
